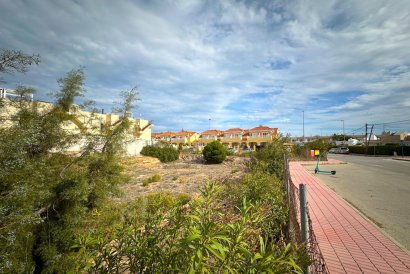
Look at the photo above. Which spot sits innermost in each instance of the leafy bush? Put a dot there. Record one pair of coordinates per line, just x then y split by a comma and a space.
270, 158
387, 149
214, 152
357, 149
164, 152
165, 234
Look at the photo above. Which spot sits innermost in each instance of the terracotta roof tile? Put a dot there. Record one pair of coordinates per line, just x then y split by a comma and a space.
263, 128
184, 132
236, 129
211, 132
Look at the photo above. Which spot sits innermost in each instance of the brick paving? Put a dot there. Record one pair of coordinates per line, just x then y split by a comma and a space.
349, 242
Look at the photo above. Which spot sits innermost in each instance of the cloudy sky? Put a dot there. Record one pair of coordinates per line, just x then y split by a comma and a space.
238, 63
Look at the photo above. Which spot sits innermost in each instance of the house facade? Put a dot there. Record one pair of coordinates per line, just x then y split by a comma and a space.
185, 138
234, 138
79, 121
208, 136
260, 135
163, 136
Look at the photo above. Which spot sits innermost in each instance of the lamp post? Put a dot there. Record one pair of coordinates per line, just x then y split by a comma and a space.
343, 121
303, 118
209, 126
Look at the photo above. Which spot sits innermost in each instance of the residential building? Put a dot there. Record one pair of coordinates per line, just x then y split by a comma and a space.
234, 138
80, 121
208, 136
259, 136
184, 137
393, 138
163, 136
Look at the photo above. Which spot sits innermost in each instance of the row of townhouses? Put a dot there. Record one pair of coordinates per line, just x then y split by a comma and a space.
235, 138
140, 133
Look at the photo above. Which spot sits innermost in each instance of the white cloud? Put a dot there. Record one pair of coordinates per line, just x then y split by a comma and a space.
194, 60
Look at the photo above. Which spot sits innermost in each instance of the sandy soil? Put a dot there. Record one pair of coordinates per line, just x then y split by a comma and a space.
185, 175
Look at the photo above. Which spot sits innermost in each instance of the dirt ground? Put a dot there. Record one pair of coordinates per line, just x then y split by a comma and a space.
185, 175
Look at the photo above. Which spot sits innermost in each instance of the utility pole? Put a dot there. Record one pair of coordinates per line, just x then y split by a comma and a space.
343, 121
303, 115
365, 142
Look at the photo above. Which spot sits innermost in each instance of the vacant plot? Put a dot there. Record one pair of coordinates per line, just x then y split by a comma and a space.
183, 176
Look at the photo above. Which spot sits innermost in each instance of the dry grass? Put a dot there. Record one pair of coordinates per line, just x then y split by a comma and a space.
182, 176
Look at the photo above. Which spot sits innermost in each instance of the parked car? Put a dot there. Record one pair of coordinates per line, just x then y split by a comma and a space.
339, 150
333, 150
343, 150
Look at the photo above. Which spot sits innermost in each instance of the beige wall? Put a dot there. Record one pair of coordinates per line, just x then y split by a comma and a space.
82, 121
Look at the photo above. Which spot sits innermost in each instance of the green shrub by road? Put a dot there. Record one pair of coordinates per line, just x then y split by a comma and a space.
388, 149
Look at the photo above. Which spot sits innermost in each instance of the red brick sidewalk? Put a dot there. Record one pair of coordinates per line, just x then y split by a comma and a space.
349, 243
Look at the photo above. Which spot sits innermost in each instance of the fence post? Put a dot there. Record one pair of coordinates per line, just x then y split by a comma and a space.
304, 225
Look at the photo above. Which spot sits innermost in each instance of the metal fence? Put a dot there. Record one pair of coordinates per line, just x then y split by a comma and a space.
300, 223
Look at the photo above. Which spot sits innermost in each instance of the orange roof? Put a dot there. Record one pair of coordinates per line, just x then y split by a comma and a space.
211, 132
159, 134
263, 128
184, 132
236, 129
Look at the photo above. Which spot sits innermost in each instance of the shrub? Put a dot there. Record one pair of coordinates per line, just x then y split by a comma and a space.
214, 152
156, 178
164, 152
270, 158
164, 234
387, 149
152, 179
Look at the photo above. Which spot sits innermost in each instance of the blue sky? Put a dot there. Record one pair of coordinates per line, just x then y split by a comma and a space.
238, 63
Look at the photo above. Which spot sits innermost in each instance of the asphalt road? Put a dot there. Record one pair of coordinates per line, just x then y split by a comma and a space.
379, 187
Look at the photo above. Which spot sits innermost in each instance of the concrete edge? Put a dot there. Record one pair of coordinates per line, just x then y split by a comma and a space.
402, 159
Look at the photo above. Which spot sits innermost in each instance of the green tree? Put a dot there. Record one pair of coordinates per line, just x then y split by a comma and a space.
46, 194
340, 137
16, 61
214, 152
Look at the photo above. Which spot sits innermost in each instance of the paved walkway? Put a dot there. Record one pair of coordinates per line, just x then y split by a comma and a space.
349, 243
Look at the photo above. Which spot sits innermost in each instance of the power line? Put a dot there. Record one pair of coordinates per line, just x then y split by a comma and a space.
394, 122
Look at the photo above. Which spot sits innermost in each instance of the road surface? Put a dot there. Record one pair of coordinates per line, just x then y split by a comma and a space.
379, 187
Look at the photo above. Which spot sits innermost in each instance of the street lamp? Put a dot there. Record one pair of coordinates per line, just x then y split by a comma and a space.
343, 121
303, 115
209, 123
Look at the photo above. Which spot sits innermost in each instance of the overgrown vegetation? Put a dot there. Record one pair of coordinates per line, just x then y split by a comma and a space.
163, 151
214, 152
56, 215
217, 233
233, 227
45, 194
303, 153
